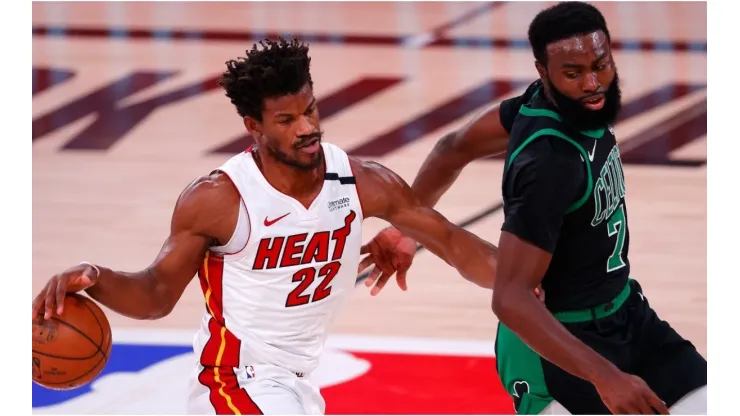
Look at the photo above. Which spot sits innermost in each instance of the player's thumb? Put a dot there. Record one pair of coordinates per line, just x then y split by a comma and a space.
86, 279
365, 248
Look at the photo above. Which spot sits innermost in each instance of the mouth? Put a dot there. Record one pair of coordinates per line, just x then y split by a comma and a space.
311, 146
595, 102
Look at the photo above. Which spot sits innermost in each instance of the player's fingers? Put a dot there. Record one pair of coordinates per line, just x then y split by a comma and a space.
38, 302
627, 409
641, 404
401, 279
645, 408
51, 290
657, 404
379, 284
365, 263
365, 248
60, 293
374, 273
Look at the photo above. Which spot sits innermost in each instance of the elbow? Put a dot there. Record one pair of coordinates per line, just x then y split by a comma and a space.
503, 304
446, 143
161, 302
498, 304
447, 152
161, 306
157, 312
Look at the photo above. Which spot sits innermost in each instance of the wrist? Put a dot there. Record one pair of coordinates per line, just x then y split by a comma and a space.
601, 371
92, 266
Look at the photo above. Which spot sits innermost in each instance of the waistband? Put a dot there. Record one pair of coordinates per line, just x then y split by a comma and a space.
598, 311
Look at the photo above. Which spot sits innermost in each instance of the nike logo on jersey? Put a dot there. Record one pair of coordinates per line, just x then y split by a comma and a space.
270, 222
592, 152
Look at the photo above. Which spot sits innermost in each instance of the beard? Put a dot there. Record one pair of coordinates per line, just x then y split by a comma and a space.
582, 118
274, 150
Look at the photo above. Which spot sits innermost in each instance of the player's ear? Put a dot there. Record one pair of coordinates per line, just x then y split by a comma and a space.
541, 69
253, 126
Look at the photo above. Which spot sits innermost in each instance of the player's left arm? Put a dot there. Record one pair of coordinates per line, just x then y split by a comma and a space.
386, 195
538, 191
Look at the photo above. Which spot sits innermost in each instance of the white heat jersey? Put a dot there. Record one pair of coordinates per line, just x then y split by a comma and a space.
271, 299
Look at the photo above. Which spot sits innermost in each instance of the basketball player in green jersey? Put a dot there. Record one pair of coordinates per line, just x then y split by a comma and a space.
595, 346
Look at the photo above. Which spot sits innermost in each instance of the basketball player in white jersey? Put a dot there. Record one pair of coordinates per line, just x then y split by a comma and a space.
274, 235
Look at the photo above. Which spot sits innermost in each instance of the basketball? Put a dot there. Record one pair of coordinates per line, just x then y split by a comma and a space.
70, 350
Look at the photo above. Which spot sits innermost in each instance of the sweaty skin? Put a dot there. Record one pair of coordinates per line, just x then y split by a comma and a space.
578, 67
385, 195
481, 137
390, 251
206, 214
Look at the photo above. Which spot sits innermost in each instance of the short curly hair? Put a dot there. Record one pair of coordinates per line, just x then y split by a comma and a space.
279, 68
561, 21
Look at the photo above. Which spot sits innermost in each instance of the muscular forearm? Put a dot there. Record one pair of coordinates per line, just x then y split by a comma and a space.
474, 258
438, 172
135, 295
527, 317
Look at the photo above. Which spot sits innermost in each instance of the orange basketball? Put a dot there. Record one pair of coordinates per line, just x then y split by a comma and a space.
70, 350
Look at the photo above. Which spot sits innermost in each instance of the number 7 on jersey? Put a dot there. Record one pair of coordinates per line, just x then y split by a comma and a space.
617, 226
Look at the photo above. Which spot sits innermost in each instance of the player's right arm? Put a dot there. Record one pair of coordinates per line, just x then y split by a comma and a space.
485, 135
205, 213
538, 191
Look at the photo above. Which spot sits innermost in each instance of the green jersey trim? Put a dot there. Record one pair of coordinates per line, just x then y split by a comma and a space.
555, 133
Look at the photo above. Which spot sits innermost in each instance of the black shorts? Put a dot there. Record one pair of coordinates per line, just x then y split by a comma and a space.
627, 332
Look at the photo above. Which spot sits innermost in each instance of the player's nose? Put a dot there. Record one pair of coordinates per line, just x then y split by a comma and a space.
591, 83
305, 127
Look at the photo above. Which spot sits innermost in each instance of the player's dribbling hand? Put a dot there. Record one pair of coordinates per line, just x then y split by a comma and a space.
72, 280
626, 394
391, 252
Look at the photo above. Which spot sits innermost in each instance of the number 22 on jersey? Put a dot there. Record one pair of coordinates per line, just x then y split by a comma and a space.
306, 276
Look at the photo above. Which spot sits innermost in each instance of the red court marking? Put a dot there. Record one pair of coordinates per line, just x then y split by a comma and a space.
421, 384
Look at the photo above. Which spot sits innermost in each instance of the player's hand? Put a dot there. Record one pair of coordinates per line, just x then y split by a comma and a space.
626, 394
72, 280
391, 252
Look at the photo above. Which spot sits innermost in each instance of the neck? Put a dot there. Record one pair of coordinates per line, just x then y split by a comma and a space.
287, 179
548, 94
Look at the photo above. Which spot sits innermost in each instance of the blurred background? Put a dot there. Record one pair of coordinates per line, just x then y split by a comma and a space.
126, 112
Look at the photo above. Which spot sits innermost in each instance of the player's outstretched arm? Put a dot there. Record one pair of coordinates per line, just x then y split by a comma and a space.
483, 136
203, 211
387, 196
487, 134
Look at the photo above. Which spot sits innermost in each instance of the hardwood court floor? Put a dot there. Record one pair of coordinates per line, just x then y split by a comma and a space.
126, 114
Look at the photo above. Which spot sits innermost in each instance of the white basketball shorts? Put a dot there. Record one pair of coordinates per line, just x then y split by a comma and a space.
253, 390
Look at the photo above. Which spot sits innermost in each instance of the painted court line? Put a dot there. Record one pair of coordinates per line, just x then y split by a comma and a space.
357, 343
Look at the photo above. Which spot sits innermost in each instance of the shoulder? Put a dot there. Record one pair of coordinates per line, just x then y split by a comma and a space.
551, 146
549, 159
206, 201
374, 174
379, 188
510, 107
